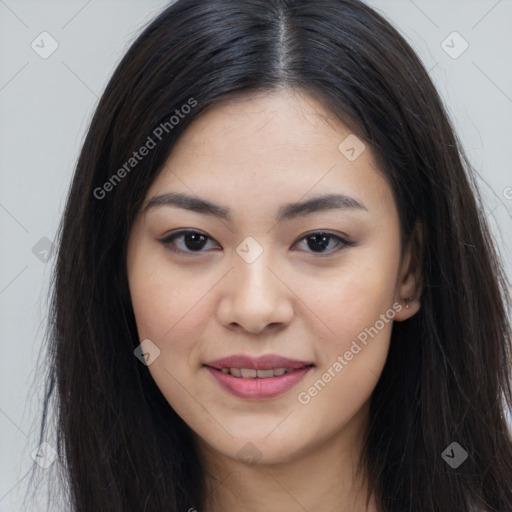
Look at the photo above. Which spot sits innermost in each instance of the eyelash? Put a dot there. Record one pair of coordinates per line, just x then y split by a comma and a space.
168, 241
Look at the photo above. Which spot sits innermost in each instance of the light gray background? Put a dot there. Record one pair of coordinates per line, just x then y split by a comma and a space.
46, 104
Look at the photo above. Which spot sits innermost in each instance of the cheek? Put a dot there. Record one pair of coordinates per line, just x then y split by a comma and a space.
356, 309
351, 361
168, 312
156, 306
171, 309
352, 297
161, 298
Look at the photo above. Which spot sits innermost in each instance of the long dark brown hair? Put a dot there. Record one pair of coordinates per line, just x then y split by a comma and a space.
447, 376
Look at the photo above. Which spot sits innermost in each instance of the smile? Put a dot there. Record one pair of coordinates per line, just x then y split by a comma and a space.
252, 384
251, 373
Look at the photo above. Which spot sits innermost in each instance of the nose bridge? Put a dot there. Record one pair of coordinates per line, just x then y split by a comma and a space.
255, 297
251, 263
253, 278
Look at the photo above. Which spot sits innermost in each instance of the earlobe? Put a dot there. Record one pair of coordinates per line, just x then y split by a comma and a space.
410, 307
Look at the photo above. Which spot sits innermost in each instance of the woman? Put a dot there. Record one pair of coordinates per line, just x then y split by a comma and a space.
275, 289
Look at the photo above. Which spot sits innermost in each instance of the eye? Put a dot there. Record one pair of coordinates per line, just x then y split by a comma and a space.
188, 241
320, 242
191, 241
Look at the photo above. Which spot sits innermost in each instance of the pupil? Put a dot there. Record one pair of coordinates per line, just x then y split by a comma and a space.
321, 241
194, 241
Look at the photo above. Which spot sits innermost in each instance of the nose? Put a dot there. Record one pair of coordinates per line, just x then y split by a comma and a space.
255, 298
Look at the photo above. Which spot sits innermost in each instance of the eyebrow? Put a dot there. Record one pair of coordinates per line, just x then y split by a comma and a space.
286, 212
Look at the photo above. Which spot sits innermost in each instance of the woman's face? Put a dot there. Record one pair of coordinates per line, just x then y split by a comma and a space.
299, 258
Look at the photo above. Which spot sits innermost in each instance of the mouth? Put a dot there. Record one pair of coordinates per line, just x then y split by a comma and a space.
274, 362
258, 378
251, 373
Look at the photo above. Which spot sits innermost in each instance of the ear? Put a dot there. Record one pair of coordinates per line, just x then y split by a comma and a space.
410, 282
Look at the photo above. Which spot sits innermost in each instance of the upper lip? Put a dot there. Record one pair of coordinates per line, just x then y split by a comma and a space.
264, 362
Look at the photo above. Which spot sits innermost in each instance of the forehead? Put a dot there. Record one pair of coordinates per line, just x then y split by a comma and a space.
276, 121
266, 146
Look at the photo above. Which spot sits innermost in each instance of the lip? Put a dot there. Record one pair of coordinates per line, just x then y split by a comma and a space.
257, 363
257, 388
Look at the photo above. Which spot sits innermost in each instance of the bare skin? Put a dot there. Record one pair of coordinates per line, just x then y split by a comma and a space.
298, 299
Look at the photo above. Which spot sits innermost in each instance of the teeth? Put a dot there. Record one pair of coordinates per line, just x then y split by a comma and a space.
264, 374
235, 372
250, 373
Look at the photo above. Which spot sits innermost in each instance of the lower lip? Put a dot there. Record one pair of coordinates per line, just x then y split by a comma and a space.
258, 389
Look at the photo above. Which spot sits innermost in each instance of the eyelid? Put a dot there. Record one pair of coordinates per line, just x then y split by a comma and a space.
343, 241
170, 237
